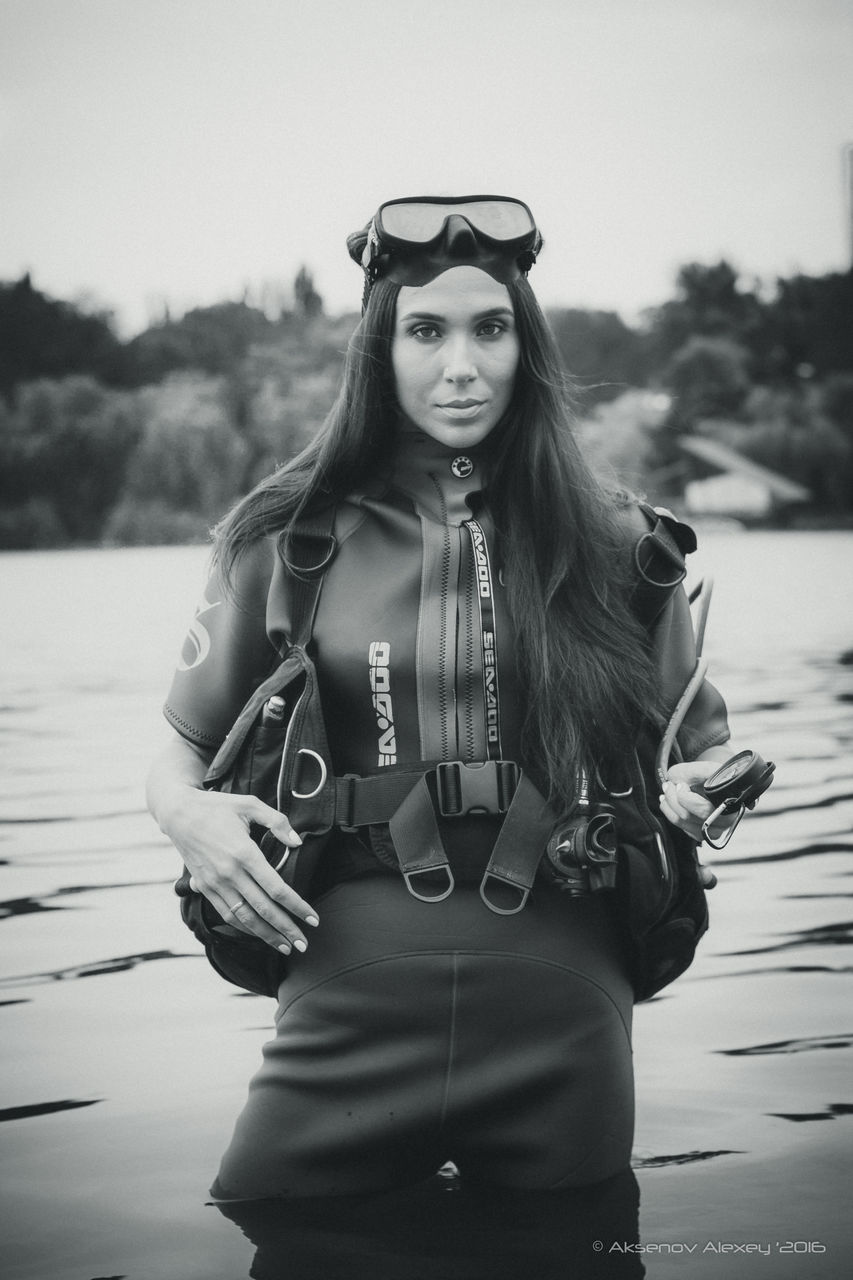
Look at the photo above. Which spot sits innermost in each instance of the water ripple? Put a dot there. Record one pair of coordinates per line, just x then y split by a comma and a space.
831, 935
42, 902
117, 964
684, 1157
831, 1112
804, 1045
44, 1108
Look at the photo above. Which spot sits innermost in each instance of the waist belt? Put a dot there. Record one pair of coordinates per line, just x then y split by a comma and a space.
411, 802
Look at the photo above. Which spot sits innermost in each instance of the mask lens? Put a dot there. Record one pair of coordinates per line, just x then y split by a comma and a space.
500, 219
416, 223
421, 221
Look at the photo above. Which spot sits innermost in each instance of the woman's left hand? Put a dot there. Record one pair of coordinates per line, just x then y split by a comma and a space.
683, 802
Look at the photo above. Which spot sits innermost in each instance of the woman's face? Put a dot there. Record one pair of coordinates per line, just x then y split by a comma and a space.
455, 353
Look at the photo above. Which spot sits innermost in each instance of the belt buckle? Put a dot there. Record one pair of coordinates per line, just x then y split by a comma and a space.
483, 788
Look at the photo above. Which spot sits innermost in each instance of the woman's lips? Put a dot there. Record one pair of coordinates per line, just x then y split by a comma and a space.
462, 408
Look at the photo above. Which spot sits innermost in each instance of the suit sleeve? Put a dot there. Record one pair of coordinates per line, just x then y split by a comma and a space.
226, 653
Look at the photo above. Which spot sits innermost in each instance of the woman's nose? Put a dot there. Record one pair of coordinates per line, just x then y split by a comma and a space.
460, 365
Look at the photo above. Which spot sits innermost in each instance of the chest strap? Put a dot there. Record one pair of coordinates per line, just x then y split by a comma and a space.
459, 789
411, 801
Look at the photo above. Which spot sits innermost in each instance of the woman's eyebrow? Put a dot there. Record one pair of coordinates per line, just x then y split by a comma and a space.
481, 315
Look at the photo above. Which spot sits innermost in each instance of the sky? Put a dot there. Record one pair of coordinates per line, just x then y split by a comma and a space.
182, 152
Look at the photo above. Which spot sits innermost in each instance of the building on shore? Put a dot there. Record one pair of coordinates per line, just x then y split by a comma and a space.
720, 482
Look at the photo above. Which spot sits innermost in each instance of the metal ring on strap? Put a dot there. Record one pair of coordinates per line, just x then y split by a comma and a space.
507, 884
309, 795
283, 859
308, 571
664, 550
409, 876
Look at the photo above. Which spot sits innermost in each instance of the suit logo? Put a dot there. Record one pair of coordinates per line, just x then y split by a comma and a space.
379, 659
197, 644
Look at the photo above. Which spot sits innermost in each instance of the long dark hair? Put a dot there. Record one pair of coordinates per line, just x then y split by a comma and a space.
582, 656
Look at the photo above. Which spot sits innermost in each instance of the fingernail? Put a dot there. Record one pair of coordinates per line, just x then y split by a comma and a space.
284, 948
312, 920
293, 838
300, 945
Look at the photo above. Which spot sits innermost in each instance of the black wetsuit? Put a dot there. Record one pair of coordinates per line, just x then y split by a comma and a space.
412, 1033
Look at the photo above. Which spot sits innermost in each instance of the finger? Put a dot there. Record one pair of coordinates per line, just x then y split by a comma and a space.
278, 823
693, 803
282, 895
694, 772
672, 795
688, 824
243, 872
267, 914
275, 903
238, 911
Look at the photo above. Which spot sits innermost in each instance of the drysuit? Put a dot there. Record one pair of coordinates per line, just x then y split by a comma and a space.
414, 1032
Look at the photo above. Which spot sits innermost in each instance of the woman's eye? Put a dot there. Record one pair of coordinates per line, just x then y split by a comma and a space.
491, 329
424, 331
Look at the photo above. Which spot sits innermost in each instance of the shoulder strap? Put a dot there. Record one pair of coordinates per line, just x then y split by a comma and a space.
307, 550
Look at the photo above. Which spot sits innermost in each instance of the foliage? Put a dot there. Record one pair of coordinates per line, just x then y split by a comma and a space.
190, 458
151, 523
709, 304
65, 447
151, 440
308, 302
41, 338
212, 339
708, 378
837, 403
604, 355
810, 322
618, 438
788, 431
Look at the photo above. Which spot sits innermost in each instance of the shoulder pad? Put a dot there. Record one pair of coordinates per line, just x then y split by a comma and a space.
681, 533
658, 560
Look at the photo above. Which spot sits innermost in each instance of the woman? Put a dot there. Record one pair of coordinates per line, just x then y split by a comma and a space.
476, 622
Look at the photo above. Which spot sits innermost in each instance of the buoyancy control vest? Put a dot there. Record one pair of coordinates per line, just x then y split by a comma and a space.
393, 708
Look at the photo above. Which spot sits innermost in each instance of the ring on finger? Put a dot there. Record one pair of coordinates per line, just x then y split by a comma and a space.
241, 902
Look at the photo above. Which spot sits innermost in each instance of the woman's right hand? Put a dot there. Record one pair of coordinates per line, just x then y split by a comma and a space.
210, 830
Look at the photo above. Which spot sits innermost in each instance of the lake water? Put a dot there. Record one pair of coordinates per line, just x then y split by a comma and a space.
125, 1059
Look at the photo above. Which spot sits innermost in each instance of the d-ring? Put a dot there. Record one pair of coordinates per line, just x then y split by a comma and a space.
309, 795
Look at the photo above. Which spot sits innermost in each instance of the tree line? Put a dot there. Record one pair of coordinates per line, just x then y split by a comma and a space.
150, 440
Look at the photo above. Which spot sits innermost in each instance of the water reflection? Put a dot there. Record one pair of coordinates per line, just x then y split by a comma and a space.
831, 1112
445, 1230
825, 935
733, 1062
683, 1157
45, 901
44, 1108
117, 964
843, 1041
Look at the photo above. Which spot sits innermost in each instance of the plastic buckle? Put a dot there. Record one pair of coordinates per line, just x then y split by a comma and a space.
475, 788
409, 876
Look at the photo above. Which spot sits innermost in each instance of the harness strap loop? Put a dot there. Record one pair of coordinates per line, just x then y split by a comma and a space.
518, 849
417, 841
